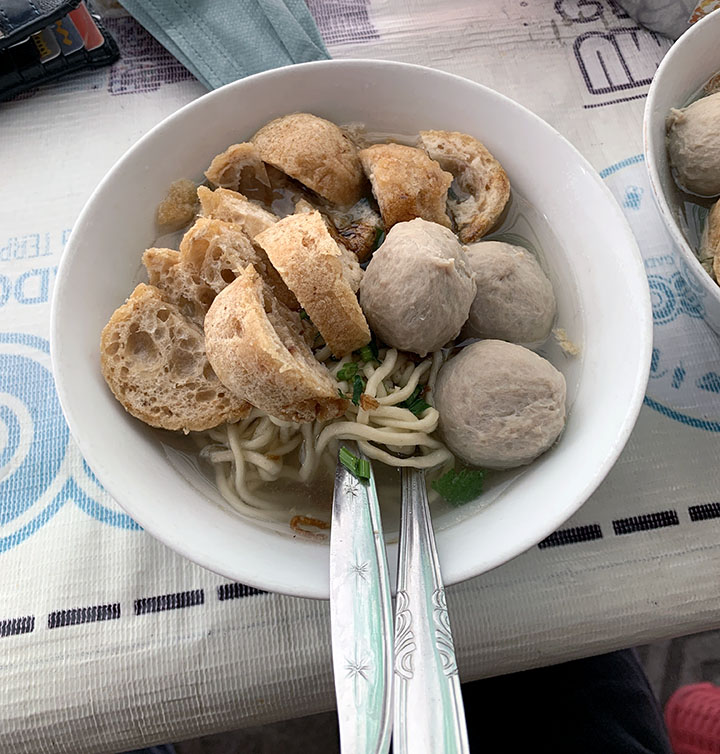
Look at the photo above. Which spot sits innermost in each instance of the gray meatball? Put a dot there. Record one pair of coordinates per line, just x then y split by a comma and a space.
500, 404
417, 290
693, 140
514, 299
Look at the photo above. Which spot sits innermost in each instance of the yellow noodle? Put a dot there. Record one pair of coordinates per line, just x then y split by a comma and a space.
405, 392
428, 423
243, 504
354, 431
416, 462
310, 453
263, 448
286, 447
221, 456
264, 434
323, 354
383, 371
438, 358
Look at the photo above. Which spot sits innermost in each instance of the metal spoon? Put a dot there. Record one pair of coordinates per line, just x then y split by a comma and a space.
429, 716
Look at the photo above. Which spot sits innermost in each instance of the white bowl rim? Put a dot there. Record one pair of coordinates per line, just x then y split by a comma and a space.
649, 144
519, 544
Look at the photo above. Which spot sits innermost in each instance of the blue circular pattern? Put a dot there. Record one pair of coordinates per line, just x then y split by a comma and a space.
27, 381
664, 306
672, 294
32, 384
8, 418
688, 299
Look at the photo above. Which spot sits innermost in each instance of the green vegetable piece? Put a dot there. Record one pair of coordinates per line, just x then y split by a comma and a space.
415, 403
409, 401
460, 487
418, 407
363, 469
348, 460
358, 467
358, 388
369, 352
304, 314
347, 371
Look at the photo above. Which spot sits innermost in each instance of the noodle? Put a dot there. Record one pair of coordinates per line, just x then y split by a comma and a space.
438, 359
428, 461
262, 448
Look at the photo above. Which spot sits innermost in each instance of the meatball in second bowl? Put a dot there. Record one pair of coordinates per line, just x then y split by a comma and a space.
694, 145
418, 288
686, 70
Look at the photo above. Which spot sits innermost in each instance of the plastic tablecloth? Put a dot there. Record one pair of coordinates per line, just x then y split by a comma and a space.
108, 640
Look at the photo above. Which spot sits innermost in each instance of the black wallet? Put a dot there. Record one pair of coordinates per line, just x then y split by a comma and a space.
42, 40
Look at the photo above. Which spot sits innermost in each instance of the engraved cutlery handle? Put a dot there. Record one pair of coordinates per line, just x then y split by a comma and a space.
429, 714
360, 617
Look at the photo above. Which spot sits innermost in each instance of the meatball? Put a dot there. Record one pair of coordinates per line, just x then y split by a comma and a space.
315, 152
694, 145
514, 299
500, 404
417, 290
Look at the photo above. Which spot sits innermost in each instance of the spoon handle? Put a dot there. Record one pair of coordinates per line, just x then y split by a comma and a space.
429, 714
360, 616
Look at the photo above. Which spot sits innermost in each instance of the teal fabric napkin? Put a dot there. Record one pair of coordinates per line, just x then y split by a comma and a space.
221, 41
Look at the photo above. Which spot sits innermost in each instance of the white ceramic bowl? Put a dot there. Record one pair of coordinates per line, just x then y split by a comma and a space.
691, 61
595, 266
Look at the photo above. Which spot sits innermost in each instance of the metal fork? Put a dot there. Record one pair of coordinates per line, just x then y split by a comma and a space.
429, 716
360, 616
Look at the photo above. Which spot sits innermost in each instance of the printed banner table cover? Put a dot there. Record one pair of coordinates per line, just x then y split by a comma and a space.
107, 639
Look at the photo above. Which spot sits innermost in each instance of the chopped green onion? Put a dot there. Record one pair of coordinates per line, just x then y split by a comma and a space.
358, 389
304, 314
347, 371
348, 460
418, 406
415, 395
460, 487
341, 394
415, 403
365, 354
358, 467
369, 352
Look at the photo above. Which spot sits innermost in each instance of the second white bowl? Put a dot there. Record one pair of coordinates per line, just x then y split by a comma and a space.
689, 64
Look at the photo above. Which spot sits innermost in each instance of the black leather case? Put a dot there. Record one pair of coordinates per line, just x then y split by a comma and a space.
21, 53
